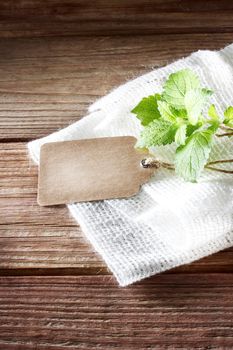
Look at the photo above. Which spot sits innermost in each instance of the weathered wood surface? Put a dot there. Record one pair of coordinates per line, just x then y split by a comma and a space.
165, 312
103, 17
48, 83
34, 238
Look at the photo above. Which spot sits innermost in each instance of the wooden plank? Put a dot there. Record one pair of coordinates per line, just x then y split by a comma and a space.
33, 238
48, 83
166, 312
100, 17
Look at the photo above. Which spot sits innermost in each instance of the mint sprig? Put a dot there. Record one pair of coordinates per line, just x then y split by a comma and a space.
177, 115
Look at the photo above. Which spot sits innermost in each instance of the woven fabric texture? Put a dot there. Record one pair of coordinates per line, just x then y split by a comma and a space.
170, 222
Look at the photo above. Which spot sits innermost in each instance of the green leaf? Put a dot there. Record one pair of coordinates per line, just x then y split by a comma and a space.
181, 135
191, 158
194, 102
169, 113
166, 111
159, 132
213, 113
147, 109
192, 128
228, 117
180, 113
177, 85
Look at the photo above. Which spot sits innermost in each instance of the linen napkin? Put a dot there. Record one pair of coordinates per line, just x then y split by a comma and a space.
170, 222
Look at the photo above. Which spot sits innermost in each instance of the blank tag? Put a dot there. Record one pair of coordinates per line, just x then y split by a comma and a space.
89, 170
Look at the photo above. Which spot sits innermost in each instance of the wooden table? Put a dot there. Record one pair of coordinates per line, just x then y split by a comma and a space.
57, 57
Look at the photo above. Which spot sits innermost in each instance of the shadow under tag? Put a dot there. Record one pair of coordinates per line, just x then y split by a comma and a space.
89, 170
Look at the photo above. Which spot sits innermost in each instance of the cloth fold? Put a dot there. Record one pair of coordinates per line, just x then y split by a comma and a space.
170, 222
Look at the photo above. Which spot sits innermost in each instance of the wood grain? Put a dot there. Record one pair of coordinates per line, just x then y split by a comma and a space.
39, 240
29, 18
31, 237
165, 312
48, 83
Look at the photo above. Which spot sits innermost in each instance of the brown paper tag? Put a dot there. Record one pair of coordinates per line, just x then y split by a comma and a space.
91, 169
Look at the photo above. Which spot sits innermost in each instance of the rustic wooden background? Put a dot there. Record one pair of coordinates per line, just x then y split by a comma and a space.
56, 57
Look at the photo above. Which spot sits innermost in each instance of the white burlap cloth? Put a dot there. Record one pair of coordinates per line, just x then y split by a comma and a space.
170, 222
